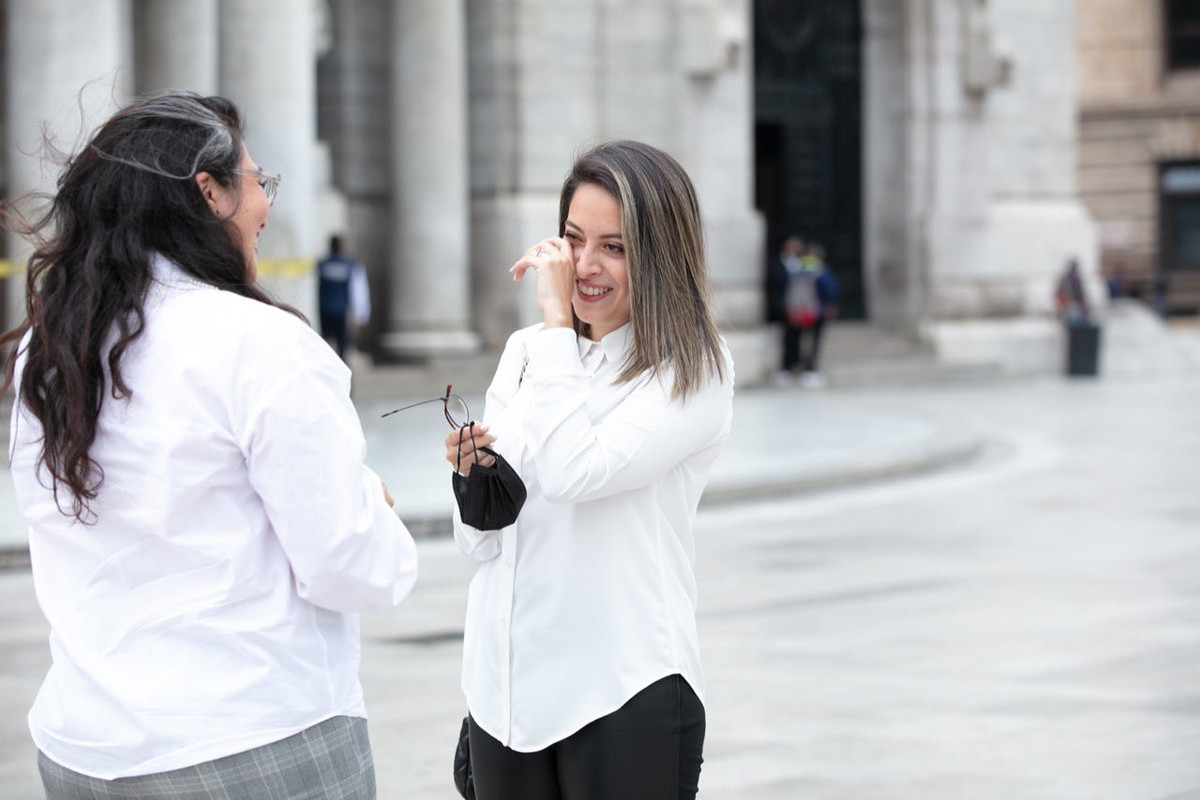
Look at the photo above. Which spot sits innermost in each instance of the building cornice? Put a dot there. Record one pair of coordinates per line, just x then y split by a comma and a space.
1152, 108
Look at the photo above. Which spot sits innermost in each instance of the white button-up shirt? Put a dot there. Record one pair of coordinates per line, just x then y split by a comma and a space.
590, 596
209, 608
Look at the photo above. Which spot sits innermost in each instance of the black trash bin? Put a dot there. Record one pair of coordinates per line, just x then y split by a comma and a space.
1083, 349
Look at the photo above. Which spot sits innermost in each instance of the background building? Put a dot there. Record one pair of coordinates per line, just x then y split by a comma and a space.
1139, 150
937, 165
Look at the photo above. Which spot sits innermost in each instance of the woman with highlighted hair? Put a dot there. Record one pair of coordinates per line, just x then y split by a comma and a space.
581, 661
202, 527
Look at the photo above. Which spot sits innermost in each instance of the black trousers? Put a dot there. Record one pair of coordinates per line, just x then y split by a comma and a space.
794, 355
649, 749
335, 326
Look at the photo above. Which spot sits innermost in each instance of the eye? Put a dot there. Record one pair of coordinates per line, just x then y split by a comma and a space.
571, 236
614, 248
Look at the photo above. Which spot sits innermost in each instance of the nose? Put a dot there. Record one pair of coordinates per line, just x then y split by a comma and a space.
586, 263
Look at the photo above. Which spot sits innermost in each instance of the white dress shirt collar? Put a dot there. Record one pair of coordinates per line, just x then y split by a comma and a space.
614, 348
166, 272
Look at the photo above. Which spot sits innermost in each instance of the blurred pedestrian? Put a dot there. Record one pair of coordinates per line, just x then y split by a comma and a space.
581, 663
777, 276
201, 525
1070, 297
783, 265
1161, 306
1114, 281
810, 299
343, 297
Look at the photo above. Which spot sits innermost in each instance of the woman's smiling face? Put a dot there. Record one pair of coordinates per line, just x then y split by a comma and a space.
593, 227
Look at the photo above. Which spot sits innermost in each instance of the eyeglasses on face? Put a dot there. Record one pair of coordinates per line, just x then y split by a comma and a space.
454, 407
269, 181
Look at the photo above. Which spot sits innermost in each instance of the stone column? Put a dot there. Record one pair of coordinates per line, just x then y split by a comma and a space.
68, 88
716, 69
353, 118
268, 67
430, 281
176, 45
894, 285
534, 89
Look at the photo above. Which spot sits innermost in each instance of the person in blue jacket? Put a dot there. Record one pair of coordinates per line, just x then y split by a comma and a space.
342, 296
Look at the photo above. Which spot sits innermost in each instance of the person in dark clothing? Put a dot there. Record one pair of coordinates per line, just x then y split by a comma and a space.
341, 294
777, 276
1070, 297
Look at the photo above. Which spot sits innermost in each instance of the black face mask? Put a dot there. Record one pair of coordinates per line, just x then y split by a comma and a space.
489, 498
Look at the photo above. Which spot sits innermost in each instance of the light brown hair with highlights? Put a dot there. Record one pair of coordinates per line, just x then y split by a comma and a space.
671, 303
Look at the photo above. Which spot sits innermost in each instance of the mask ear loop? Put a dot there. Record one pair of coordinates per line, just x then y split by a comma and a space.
470, 429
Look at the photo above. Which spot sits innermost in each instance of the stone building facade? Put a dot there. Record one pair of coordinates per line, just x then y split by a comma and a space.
1139, 142
937, 165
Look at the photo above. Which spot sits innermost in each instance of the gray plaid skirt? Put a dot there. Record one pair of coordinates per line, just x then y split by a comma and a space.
329, 761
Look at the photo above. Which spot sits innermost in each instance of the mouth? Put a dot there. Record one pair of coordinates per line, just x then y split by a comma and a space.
592, 294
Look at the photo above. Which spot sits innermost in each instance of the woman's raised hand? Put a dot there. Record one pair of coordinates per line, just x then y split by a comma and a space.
554, 263
463, 444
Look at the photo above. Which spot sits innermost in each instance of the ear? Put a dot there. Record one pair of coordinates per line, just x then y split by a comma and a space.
209, 188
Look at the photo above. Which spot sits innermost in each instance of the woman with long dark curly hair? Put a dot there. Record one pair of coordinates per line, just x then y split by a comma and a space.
201, 525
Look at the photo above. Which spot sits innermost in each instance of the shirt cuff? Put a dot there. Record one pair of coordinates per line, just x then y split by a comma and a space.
554, 352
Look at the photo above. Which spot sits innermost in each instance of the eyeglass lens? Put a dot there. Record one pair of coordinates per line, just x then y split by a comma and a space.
457, 413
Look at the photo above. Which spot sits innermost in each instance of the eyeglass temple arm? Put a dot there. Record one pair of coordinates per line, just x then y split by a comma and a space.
442, 400
412, 405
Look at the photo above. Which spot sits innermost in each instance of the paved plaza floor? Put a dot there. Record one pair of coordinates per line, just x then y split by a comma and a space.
1017, 617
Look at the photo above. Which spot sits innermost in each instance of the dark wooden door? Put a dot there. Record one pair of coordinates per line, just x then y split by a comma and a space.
808, 131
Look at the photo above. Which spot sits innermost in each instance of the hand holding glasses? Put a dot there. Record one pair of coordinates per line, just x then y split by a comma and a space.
467, 437
491, 496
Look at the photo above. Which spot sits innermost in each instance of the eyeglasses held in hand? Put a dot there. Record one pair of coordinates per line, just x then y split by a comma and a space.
269, 181
455, 408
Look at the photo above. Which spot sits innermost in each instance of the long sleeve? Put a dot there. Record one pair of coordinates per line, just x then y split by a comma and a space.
360, 296
646, 435
304, 450
476, 544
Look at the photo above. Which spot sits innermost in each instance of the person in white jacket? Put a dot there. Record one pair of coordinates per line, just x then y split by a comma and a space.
581, 664
202, 528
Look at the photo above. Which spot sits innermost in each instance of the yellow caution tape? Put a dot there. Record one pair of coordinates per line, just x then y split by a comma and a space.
274, 267
286, 267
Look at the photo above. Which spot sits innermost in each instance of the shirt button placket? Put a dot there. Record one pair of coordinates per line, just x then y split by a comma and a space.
505, 619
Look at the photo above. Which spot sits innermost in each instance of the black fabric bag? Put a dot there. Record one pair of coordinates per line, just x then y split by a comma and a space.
464, 781
490, 498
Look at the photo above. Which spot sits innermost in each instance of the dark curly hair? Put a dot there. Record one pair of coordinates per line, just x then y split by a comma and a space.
126, 195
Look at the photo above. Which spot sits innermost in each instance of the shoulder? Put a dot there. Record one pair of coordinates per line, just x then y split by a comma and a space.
518, 339
720, 371
238, 315
516, 351
719, 380
222, 325
714, 383
519, 343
